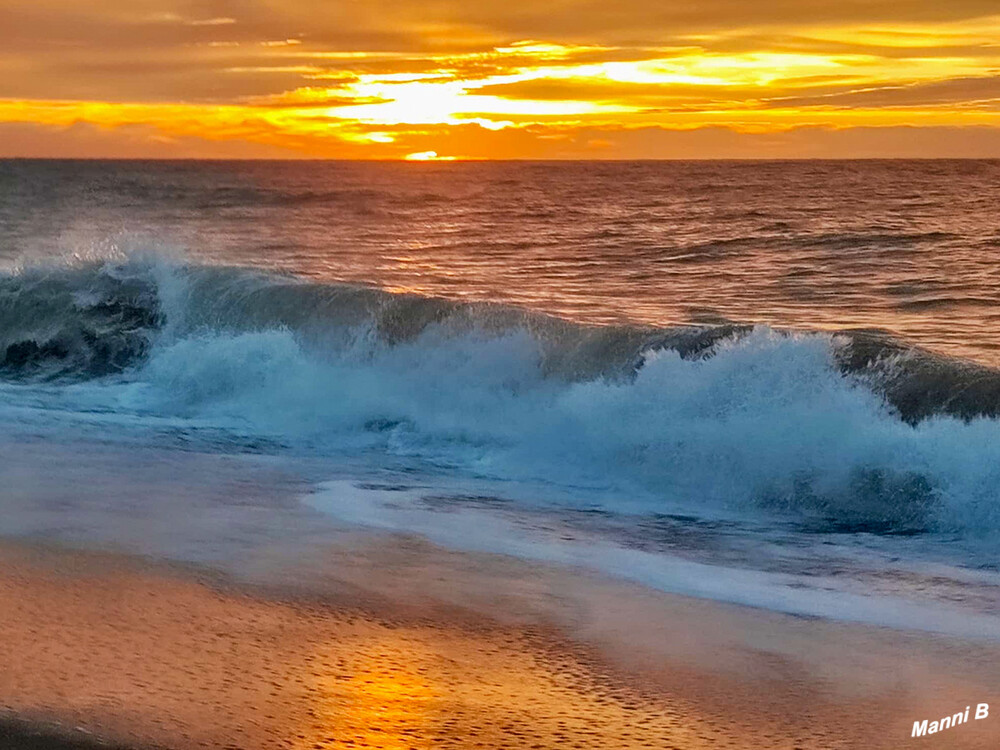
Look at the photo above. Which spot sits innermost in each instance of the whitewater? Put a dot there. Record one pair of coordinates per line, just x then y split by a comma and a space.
774, 384
773, 467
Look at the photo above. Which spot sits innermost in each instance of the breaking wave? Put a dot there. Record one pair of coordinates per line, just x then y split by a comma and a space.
854, 428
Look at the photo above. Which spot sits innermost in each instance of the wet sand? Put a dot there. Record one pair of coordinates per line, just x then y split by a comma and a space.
401, 645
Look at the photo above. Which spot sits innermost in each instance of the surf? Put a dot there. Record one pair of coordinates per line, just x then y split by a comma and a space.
855, 430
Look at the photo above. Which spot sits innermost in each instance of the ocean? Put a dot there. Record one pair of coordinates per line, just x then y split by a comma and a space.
768, 383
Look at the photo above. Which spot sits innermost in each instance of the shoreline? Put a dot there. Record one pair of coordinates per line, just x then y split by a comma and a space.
402, 642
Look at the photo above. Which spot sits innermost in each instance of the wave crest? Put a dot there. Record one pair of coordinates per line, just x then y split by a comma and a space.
803, 422
76, 321
94, 319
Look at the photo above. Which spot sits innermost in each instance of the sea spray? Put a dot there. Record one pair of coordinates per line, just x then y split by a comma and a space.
647, 419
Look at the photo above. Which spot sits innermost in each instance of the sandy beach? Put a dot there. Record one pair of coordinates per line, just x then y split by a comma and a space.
582, 375
102, 648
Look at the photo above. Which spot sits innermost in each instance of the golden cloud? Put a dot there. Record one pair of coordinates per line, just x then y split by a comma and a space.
391, 79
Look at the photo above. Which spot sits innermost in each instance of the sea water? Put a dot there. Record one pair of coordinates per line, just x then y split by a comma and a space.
766, 383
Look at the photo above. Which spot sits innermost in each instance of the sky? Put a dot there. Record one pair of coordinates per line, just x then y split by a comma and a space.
500, 79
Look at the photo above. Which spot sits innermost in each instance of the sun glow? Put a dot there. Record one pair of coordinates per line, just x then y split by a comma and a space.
428, 156
540, 97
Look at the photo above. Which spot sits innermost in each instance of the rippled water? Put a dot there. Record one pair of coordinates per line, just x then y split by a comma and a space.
907, 246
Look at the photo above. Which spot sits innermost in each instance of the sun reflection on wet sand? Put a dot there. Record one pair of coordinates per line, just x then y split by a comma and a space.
411, 687
115, 646
375, 704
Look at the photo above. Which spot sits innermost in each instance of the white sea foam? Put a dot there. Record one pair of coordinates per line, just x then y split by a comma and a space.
766, 422
767, 427
480, 531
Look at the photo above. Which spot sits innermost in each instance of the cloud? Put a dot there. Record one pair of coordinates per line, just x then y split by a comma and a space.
84, 140
242, 135
969, 91
331, 78
806, 142
219, 21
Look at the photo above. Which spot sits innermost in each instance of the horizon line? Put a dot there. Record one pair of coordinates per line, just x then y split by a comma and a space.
458, 160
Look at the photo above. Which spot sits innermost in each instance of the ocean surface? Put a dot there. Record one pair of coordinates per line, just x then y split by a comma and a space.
769, 383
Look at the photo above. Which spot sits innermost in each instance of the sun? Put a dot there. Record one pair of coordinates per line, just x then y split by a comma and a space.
428, 156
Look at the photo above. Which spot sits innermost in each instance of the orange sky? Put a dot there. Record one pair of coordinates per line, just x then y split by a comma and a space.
427, 79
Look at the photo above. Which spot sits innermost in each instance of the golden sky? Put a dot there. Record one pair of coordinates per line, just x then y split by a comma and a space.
427, 79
